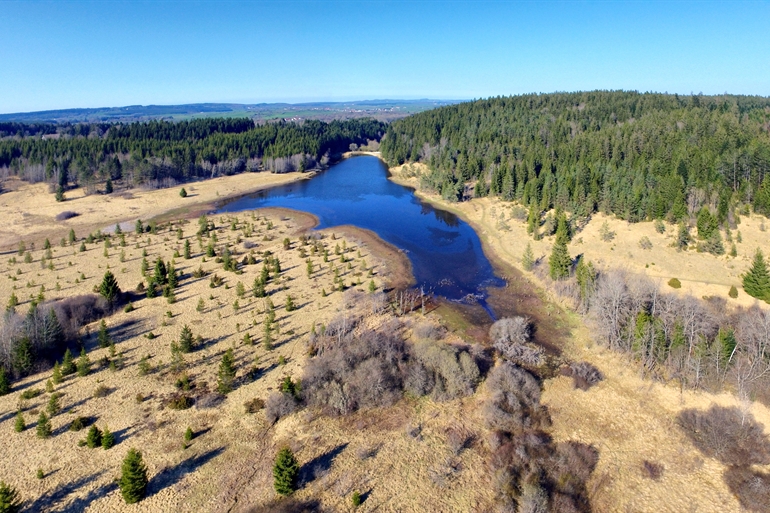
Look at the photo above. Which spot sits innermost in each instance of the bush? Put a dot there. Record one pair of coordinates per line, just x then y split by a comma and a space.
183, 193
279, 405
645, 243
67, 214
514, 400
751, 487
584, 374
79, 423
179, 402
133, 480
31, 393
733, 292
674, 283
254, 405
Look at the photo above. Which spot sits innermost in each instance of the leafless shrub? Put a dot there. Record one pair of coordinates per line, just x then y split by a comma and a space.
67, 214
584, 374
247, 244
279, 405
254, 405
427, 330
289, 505
652, 470
367, 451
458, 439
209, 400
514, 402
413, 431
510, 330
727, 434
751, 487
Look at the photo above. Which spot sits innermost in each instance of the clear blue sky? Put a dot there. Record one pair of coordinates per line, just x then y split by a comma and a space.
111, 53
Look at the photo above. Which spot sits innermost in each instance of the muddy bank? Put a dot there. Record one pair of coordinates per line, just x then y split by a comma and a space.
519, 296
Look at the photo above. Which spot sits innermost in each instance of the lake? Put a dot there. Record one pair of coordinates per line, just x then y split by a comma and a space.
445, 252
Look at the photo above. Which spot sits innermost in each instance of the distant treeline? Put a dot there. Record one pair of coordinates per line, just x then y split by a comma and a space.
638, 156
160, 151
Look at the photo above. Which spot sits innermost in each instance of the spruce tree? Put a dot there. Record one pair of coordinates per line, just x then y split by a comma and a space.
528, 258
94, 437
756, 281
9, 499
104, 335
560, 262
186, 341
84, 363
187, 255
285, 472
133, 480
108, 439
53, 405
226, 373
19, 425
43, 426
5, 382
109, 288
67, 366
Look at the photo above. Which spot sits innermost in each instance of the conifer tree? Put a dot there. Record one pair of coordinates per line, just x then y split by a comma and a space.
19, 425
84, 363
756, 281
560, 262
187, 255
94, 437
109, 288
133, 480
528, 258
9, 499
161, 274
5, 382
108, 439
186, 341
43, 426
285, 472
53, 405
67, 366
226, 373
104, 335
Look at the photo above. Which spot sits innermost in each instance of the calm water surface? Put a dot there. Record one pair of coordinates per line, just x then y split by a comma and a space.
445, 252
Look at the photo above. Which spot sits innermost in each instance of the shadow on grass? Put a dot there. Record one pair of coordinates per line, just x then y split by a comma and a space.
53, 501
319, 466
170, 476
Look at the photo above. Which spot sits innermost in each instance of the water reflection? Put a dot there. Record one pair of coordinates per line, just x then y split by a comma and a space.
445, 252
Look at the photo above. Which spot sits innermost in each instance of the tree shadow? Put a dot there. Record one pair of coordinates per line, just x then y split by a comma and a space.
319, 466
170, 476
51, 501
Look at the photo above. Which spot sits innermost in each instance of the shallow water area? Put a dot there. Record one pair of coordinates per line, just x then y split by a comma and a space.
445, 252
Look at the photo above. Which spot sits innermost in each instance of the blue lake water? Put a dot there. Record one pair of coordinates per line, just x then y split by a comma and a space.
445, 252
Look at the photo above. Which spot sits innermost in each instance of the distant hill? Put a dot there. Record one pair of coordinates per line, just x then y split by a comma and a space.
383, 110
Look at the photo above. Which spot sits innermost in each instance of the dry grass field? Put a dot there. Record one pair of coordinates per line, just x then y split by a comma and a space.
29, 211
135, 406
629, 419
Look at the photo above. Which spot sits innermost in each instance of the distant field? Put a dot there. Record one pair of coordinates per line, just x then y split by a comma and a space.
384, 110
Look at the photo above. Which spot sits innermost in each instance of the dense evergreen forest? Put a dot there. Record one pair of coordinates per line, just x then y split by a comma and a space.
638, 156
162, 151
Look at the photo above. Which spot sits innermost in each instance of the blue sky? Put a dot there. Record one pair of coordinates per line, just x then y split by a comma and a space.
67, 54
